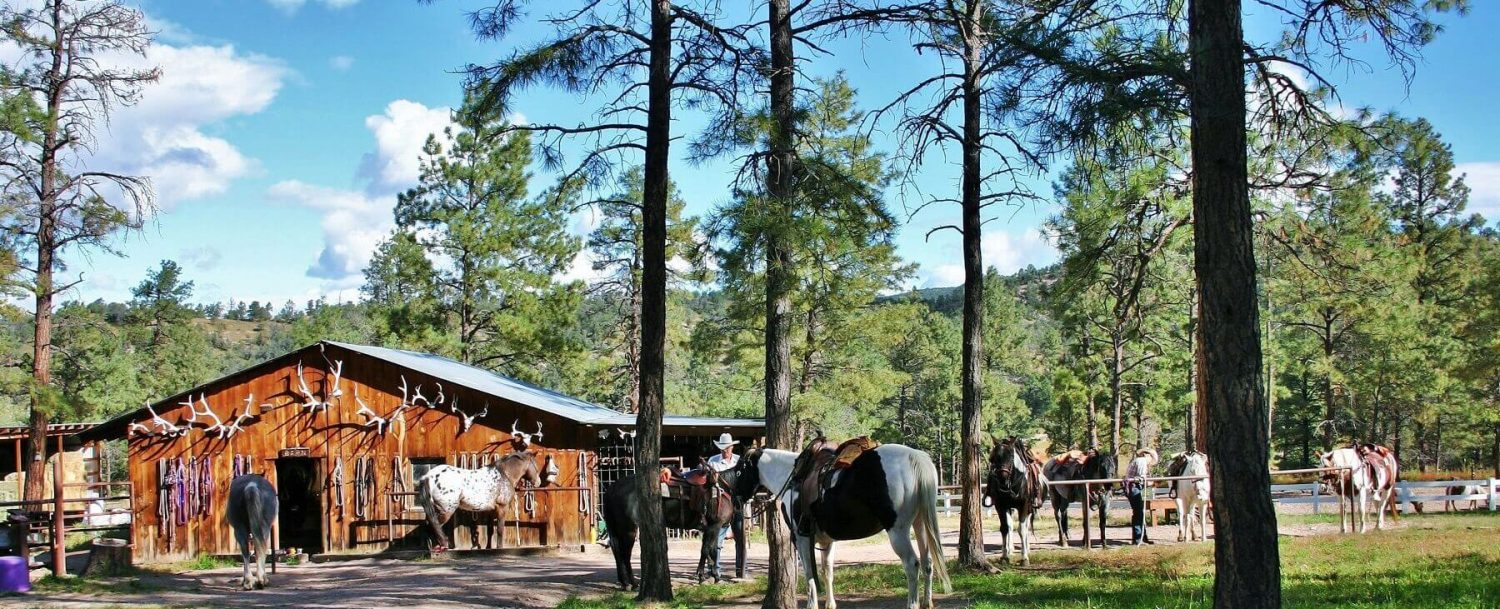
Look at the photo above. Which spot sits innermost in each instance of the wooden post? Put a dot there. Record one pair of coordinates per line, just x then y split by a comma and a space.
20, 472
1493, 483
1088, 543
1317, 501
59, 548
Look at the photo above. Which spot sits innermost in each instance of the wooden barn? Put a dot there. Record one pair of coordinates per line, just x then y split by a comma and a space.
343, 431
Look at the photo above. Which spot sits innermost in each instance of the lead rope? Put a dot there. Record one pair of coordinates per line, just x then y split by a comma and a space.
206, 486
398, 484
337, 483
585, 497
180, 496
360, 498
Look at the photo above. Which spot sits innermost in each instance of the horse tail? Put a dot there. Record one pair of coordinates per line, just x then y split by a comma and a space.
260, 508
424, 496
927, 515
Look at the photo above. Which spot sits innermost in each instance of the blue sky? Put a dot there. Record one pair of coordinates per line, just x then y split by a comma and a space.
282, 130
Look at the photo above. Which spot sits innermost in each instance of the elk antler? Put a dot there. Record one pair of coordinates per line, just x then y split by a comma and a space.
142, 429
234, 426
309, 401
165, 426
441, 399
538, 433
218, 423
417, 395
372, 419
338, 372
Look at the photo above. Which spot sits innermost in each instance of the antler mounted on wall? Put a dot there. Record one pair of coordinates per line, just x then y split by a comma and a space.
163, 426
337, 367
467, 420
218, 425
522, 438
309, 401
373, 419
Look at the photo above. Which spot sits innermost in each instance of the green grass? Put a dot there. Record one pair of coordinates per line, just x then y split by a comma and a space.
201, 562
1434, 561
53, 584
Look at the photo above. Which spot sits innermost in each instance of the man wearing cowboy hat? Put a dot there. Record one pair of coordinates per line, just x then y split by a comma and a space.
1135, 487
724, 461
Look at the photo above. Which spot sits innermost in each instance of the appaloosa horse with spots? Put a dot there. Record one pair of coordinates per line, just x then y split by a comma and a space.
446, 489
1015, 486
891, 488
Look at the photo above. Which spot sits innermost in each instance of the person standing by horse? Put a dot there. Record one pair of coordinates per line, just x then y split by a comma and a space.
1135, 488
728, 460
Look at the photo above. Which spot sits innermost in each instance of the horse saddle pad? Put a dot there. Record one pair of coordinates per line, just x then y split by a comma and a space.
852, 449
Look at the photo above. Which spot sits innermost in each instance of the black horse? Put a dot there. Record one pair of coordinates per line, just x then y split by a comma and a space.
1092, 464
707, 508
1015, 484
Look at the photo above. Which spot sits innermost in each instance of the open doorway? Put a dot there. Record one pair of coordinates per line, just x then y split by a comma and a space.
301, 509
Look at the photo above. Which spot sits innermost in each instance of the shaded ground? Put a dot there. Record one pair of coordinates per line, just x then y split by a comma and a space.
531, 582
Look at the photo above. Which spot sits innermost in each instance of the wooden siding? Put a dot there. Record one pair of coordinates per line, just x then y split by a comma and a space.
339, 432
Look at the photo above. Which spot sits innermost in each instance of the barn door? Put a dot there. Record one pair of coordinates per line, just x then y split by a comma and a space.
301, 509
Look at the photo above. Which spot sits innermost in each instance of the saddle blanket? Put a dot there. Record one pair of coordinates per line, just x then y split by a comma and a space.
852, 449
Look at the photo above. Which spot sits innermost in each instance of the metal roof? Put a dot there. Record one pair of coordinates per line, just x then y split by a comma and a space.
526, 394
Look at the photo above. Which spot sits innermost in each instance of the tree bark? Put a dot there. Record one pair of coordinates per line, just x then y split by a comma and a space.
781, 577
971, 515
1093, 421
1190, 427
1246, 557
1330, 404
656, 580
1200, 389
1116, 396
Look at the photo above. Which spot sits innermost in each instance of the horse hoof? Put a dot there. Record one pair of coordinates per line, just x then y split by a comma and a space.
260, 585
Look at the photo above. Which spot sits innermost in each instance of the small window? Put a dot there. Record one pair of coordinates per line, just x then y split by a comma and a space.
419, 468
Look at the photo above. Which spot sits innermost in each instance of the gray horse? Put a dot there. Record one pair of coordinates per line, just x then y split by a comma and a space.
252, 510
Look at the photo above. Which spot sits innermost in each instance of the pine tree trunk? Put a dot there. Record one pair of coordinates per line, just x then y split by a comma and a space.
633, 343
781, 577
1246, 557
1190, 426
1093, 421
656, 579
971, 515
1200, 389
1116, 396
46, 253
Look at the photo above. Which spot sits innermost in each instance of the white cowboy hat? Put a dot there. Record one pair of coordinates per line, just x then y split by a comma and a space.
725, 441
1146, 452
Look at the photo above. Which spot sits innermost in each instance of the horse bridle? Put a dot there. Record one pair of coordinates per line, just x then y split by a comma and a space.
744, 469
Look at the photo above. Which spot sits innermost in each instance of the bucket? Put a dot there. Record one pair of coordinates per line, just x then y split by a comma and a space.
14, 574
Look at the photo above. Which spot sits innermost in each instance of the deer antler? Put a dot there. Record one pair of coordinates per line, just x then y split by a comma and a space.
519, 436
468, 419
538, 433
440, 398
142, 429
309, 401
417, 395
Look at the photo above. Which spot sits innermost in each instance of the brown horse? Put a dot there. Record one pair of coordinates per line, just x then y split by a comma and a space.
708, 508
1015, 485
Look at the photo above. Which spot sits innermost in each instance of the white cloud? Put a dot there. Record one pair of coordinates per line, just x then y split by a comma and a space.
943, 275
202, 258
1483, 179
292, 6
341, 63
1003, 251
400, 132
163, 135
353, 224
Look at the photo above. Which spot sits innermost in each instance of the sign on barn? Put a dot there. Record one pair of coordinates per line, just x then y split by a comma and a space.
344, 432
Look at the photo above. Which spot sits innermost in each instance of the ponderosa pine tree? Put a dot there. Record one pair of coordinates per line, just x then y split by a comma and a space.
63, 202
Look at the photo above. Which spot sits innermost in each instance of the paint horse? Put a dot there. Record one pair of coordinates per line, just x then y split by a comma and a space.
1360, 474
1191, 496
251, 512
1462, 489
1015, 486
699, 500
891, 488
446, 489
1078, 465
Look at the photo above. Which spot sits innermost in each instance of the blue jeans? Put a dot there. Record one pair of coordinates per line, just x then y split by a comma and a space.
737, 523
1134, 493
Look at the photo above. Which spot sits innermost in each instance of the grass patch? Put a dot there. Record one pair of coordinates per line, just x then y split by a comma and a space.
201, 562
53, 584
1448, 561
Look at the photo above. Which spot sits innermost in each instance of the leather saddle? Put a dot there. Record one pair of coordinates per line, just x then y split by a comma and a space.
815, 471
689, 492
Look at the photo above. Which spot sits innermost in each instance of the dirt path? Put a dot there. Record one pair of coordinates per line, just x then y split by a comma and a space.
529, 582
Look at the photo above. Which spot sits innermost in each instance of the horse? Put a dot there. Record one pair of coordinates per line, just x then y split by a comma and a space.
621, 511
1078, 465
891, 488
251, 512
1463, 489
1191, 496
1361, 473
1015, 484
446, 489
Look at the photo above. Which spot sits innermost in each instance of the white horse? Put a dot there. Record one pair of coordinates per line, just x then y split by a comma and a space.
1192, 495
1365, 473
446, 489
910, 480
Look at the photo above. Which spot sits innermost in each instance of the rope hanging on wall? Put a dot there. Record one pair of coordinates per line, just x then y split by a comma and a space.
584, 496
205, 486
398, 484
164, 482
180, 492
337, 482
